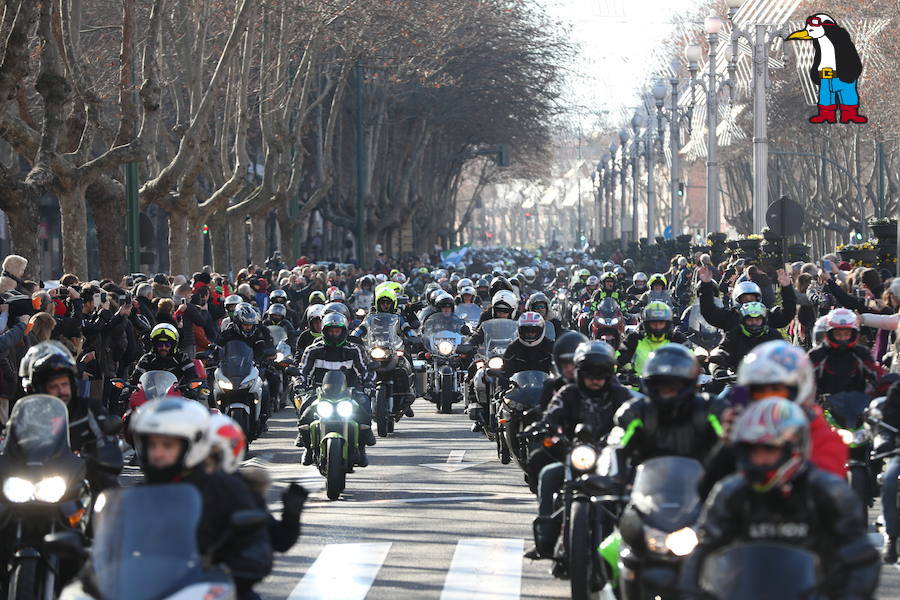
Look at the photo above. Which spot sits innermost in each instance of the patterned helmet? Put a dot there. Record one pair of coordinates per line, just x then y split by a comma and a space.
773, 422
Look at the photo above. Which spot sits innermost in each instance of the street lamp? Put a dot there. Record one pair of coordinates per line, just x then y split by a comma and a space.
712, 25
623, 173
675, 115
637, 122
761, 41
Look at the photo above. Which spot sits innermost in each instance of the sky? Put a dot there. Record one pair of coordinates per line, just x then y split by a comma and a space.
621, 47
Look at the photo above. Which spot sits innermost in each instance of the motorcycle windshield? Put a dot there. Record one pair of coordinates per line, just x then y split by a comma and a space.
549, 331
145, 542
238, 360
498, 334
663, 297
440, 327
665, 491
470, 313
383, 331
278, 334
38, 429
609, 309
529, 379
847, 408
157, 384
760, 571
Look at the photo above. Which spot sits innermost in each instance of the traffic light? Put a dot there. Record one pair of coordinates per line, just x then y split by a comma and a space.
205, 229
680, 190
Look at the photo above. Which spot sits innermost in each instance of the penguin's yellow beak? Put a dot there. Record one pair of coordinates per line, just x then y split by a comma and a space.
800, 35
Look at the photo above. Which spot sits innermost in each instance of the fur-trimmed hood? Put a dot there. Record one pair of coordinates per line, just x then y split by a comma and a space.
13, 271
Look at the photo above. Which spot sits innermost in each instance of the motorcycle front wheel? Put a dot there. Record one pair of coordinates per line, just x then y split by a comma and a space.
24, 583
335, 474
581, 561
381, 412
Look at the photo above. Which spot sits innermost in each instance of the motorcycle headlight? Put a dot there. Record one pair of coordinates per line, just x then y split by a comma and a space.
846, 436
225, 383
18, 490
361, 312
50, 489
495, 363
345, 409
325, 410
561, 295
378, 353
583, 458
445, 348
682, 542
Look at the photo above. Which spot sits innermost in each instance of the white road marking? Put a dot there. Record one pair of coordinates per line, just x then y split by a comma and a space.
489, 496
454, 463
487, 569
342, 572
309, 477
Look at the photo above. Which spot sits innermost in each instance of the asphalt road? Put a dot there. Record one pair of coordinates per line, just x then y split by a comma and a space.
419, 522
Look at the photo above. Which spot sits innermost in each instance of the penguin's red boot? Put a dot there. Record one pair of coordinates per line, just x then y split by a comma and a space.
827, 114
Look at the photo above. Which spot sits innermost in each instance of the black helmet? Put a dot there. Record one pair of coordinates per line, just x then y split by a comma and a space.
331, 321
339, 308
595, 358
45, 361
499, 283
443, 299
564, 348
671, 365
246, 318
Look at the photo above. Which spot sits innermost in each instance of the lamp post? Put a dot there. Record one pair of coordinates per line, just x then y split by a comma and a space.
611, 187
675, 116
761, 41
623, 218
636, 122
712, 25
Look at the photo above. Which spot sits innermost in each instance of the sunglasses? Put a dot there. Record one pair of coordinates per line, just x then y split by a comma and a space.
817, 22
164, 344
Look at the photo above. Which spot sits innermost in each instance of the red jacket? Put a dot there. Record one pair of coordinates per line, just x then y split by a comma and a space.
829, 452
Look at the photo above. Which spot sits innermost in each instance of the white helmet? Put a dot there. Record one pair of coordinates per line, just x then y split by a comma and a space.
528, 275
381, 278
467, 290
174, 417
744, 287
227, 441
505, 297
315, 311
639, 276
531, 329
592, 280
232, 300
780, 362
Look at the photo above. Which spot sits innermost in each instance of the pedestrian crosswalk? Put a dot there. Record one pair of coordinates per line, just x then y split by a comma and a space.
488, 569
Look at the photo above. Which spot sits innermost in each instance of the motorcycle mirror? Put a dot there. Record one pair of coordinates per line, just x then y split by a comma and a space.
248, 519
66, 543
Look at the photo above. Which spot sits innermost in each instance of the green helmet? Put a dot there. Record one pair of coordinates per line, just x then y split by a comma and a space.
654, 312
753, 310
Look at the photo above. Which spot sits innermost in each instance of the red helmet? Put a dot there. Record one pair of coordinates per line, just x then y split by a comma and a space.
841, 318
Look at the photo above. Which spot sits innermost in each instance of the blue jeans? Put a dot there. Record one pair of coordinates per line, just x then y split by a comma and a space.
829, 89
889, 497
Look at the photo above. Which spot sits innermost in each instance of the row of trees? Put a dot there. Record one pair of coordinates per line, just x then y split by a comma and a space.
235, 109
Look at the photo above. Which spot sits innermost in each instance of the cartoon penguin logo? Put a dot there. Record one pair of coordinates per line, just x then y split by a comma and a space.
836, 68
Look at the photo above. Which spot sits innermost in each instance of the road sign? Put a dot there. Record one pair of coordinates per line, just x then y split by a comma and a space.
785, 217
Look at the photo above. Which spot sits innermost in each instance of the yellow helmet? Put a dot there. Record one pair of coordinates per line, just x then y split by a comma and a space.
385, 292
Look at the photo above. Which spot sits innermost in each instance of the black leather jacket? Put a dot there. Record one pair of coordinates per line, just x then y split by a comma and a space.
571, 407
519, 357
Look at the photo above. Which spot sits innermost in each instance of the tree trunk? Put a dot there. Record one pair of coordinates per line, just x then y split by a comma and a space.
107, 201
287, 227
258, 237
23, 225
178, 242
218, 233
74, 230
195, 241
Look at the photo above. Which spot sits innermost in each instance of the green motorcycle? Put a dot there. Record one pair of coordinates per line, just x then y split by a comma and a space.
334, 435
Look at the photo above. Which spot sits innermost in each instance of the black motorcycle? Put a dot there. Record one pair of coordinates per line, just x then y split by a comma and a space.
44, 492
519, 408
387, 356
761, 571
846, 413
656, 526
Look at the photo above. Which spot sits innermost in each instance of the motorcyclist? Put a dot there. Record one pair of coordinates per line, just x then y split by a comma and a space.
361, 299
333, 352
841, 363
467, 295
638, 285
657, 289
579, 282
591, 401
444, 305
313, 333
608, 289
777, 369
753, 329
172, 444
230, 304
502, 307
778, 495
742, 292
277, 314
591, 287
531, 350
671, 419
656, 331
49, 368
483, 289
539, 303
246, 326
563, 365
281, 297
164, 355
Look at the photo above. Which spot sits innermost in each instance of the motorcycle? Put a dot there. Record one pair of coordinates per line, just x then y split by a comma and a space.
334, 435
279, 392
559, 304
846, 413
498, 335
608, 324
45, 492
444, 345
153, 557
761, 571
150, 386
387, 356
520, 408
656, 526
238, 387
470, 313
